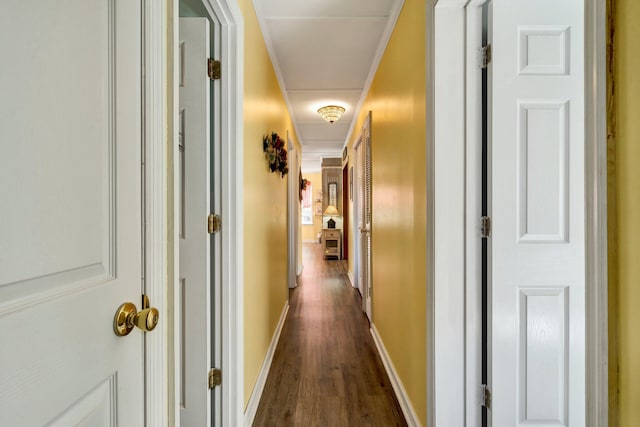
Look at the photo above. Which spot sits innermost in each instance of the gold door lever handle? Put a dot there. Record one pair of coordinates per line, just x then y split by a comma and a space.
127, 317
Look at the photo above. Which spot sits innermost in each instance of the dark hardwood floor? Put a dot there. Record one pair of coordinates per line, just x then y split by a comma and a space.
326, 370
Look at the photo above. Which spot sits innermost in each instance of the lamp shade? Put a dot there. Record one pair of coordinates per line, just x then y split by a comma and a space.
331, 210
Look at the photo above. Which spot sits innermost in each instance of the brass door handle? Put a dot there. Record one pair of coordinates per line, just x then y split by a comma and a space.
127, 317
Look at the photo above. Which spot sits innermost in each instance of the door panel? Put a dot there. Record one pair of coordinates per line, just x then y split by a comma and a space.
195, 245
70, 203
538, 202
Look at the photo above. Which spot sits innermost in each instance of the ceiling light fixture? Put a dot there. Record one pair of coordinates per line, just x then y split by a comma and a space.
331, 113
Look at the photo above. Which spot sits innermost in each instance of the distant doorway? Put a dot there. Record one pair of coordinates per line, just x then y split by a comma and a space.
345, 210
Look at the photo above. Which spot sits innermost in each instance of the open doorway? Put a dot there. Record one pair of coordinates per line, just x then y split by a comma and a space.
346, 194
207, 214
198, 305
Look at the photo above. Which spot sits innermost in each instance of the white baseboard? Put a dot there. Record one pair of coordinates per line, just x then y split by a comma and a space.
351, 279
254, 401
407, 409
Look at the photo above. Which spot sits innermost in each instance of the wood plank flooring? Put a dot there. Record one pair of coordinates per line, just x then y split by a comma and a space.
326, 370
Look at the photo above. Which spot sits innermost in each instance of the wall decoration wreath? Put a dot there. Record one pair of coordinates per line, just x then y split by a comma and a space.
275, 153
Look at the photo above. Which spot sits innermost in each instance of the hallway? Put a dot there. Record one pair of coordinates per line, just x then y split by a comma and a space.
326, 370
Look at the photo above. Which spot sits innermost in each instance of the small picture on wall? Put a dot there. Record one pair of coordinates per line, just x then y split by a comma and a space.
333, 193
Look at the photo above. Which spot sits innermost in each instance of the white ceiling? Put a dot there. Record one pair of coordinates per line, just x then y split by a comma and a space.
325, 52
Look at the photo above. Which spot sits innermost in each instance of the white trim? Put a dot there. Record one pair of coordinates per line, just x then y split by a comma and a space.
403, 398
232, 213
256, 395
175, 358
597, 381
394, 14
448, 361
473, 208
276, 66
293, 214
430, 223
351, 278
155, 140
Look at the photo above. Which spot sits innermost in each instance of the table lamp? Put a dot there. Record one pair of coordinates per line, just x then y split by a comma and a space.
331, 211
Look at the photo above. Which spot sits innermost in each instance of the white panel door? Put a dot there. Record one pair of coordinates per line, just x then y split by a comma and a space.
195, 242
70, 212
538, 210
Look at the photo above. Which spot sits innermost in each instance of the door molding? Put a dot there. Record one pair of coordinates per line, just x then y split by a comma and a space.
355, 218
293, 215
232, 211
597, 339
154, 139
232, 43
447, 194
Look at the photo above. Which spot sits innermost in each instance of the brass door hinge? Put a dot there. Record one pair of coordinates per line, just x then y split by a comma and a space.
484, 56
486, 396
213, 223
214, 69
215, 378
485, 227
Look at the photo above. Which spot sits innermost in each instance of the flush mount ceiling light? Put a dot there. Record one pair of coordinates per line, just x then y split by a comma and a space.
331, 113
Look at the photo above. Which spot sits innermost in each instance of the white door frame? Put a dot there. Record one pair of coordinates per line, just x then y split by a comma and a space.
156, 233
355, 216
448, 258
357, 220
293, 214
232, 212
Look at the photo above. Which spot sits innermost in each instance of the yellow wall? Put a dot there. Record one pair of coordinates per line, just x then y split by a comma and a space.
310, 232
398, 135
265, 202
626, 252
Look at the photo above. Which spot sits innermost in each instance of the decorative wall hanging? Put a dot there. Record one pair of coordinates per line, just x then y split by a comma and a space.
304, 183
275, 153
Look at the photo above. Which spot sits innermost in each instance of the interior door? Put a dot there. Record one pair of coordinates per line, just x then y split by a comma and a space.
70, 209
538, 202
195, 306
364, 212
